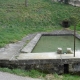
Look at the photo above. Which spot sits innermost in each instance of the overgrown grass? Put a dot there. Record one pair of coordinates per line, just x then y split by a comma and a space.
37, 74
16, 20
31, 73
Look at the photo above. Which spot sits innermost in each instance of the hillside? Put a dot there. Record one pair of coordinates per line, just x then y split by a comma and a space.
17, 20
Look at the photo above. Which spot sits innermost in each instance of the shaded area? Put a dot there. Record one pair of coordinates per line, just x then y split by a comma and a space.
66, 68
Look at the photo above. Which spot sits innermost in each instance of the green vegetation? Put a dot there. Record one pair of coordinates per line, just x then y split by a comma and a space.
31, 73
37, 74
17, 21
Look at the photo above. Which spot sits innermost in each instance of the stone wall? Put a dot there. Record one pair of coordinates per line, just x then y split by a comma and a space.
72, 2
49, 66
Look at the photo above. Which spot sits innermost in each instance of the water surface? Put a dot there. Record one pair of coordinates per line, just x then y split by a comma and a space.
52, 43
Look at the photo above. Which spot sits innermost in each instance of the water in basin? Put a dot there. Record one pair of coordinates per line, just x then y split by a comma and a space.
52, 43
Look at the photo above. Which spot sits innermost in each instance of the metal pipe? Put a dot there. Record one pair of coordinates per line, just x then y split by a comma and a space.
74, 38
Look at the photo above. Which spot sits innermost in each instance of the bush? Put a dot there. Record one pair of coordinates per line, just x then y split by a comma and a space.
74, 20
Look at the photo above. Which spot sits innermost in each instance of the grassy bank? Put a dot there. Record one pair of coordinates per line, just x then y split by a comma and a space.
37, 74
31, 73
16, 20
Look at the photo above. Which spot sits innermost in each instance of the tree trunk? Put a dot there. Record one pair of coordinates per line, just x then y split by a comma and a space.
66, 1
26, 3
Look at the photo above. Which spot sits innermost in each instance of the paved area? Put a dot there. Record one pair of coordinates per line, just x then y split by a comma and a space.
47, 55
11, 50
8, 76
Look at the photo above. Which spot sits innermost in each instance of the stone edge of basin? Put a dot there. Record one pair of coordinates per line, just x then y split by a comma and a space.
29, 47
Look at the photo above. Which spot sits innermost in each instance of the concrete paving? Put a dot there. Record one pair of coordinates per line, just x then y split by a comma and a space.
26, 56
8, 76
47, 55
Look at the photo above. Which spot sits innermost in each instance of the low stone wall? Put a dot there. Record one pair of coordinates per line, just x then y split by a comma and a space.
50, 66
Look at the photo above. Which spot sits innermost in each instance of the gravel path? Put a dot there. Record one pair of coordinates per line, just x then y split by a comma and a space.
8, 76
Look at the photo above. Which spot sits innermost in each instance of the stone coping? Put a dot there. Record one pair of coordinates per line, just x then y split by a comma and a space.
29, 47
47, 55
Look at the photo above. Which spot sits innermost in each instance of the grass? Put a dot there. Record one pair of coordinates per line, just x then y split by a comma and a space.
37, 74
31, 73
17, 21
62, 77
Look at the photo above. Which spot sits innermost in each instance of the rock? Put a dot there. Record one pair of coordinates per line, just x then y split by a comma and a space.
69, 51
59, 51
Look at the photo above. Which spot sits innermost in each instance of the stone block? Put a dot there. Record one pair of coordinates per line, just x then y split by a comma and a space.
59, 51
69, 51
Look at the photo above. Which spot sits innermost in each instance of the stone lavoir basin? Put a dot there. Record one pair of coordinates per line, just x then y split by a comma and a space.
42, 53
52, 43
46, 46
